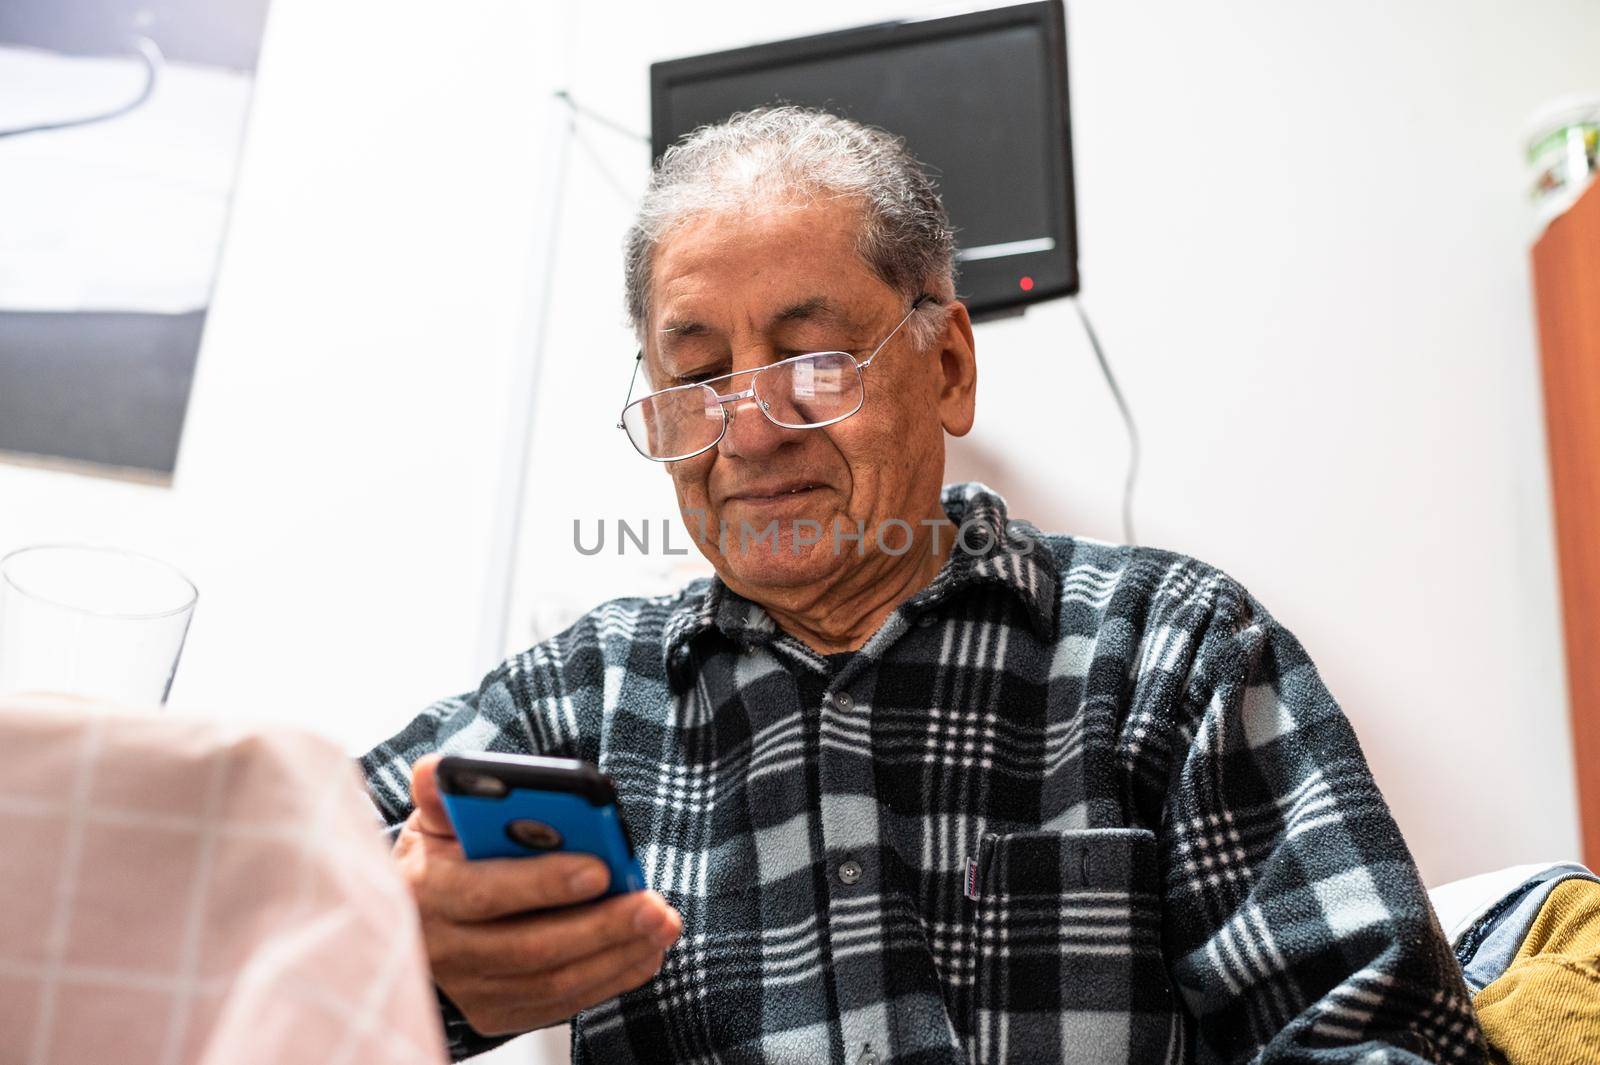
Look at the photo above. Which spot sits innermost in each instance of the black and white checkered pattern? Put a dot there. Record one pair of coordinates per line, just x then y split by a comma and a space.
1073, 802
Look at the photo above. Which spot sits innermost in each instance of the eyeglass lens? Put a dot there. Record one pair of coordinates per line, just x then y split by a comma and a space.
798, 393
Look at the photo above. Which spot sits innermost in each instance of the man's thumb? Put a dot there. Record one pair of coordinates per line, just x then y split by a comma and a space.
430, 816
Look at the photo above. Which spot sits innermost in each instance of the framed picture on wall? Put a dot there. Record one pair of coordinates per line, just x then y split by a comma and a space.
121, 123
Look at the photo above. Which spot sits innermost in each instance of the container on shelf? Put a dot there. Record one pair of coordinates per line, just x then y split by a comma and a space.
1563, 151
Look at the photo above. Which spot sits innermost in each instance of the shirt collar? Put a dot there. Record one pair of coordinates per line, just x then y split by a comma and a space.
990, 549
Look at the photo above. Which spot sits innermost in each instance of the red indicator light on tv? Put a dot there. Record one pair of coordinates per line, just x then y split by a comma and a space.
1026, 284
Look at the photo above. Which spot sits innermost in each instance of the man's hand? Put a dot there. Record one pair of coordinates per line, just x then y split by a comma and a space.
498, 944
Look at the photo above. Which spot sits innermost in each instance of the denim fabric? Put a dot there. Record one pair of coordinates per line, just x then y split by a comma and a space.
1487, 949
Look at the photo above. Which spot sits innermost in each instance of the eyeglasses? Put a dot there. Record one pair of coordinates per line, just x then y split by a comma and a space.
803, 392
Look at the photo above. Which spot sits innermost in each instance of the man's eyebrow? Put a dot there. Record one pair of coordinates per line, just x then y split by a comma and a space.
813, 309
817, 308
685, 327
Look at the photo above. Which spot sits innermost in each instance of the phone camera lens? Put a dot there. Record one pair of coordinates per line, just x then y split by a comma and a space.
535, 835
481, 784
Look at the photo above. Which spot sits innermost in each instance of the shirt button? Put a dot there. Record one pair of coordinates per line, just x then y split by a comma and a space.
927, 619
842, 700
849, 872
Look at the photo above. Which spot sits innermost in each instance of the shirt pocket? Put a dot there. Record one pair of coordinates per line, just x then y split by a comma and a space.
1067, 958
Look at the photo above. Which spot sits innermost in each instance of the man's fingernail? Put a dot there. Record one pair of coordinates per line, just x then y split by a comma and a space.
647, 920
589, 880
666, 935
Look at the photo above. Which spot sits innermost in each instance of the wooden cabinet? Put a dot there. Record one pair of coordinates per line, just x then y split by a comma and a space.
1566, 278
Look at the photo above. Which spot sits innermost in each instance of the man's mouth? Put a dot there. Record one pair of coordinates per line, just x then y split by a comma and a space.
774, 493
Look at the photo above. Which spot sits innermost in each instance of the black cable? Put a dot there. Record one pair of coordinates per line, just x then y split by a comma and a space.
600, 165
153, 60
598, 119
1127, 419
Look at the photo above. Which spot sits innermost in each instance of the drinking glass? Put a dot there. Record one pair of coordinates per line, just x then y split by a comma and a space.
91, 621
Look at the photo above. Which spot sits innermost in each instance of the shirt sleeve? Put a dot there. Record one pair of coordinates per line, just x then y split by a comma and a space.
486, 719
496, 717
1297, 926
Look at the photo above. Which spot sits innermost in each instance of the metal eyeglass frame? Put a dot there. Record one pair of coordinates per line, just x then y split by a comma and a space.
750, 392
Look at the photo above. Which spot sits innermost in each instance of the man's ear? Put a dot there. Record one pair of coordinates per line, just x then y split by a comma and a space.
958, 371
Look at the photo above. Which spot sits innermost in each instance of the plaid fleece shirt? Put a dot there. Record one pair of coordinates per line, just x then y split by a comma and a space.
1072, 802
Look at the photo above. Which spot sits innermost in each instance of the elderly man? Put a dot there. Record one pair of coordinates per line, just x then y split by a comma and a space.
913, 782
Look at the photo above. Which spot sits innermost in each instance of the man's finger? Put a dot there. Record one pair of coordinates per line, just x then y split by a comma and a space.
457, 889
590, 981
548, 941
554, 940
620, 979
519, 1003
429, 816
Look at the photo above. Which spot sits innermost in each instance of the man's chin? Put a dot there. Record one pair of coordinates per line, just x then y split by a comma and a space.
784, 565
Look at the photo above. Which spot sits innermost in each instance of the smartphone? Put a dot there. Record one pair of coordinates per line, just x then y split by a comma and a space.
519, 805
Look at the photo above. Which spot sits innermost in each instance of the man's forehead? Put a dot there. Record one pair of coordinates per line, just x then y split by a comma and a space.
764, 269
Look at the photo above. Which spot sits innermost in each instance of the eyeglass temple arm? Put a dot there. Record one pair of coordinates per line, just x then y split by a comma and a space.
926, 297
637, 359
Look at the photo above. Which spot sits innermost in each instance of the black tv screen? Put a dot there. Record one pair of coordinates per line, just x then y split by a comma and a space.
981, 99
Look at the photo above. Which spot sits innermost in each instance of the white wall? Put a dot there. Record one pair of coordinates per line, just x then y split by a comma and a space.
1304, 241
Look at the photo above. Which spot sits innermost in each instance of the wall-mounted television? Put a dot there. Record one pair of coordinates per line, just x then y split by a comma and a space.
981, 99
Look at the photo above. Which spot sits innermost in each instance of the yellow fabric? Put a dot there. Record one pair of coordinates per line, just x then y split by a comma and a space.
1545, 1008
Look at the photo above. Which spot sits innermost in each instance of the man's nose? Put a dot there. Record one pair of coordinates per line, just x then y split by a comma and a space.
751, 434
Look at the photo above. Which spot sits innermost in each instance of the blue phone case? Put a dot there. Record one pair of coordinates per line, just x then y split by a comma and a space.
571, 797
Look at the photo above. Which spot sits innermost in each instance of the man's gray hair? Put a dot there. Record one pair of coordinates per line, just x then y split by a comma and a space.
789, 156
